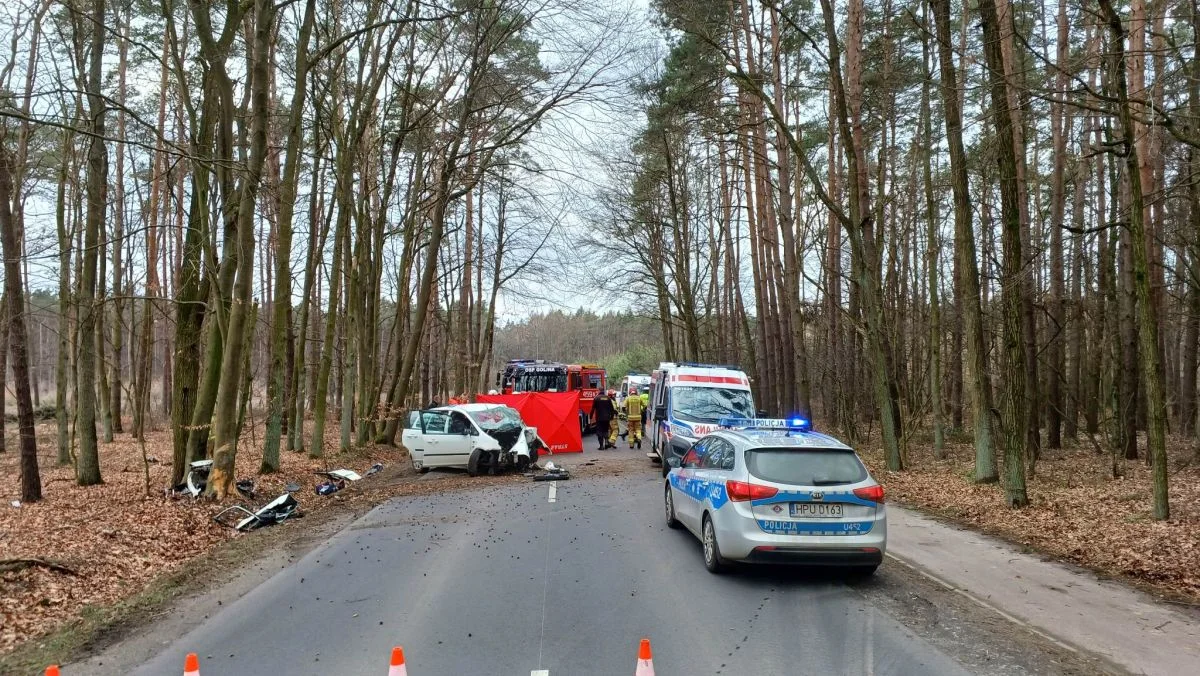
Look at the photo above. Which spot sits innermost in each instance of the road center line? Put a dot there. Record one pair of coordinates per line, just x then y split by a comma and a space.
553, 492
540, 672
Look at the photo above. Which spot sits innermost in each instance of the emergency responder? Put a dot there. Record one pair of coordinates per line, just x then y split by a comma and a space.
633, 413
615, 426
603, 413
645, 396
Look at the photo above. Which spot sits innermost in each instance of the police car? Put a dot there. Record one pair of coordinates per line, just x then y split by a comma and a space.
774, 491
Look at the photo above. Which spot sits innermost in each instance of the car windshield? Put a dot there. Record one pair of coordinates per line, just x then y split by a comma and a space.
498, 417
710, 404
805, 467
544, 381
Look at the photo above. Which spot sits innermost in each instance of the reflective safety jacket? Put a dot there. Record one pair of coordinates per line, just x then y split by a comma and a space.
633, 408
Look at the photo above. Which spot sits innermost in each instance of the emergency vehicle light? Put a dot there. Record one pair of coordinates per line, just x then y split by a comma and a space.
789, 424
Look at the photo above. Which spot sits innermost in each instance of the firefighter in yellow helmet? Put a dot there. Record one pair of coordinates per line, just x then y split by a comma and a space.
632, 410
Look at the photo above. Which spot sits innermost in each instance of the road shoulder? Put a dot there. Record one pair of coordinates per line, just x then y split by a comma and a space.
1069, 604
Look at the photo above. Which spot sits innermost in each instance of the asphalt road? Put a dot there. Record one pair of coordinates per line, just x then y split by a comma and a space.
503, 581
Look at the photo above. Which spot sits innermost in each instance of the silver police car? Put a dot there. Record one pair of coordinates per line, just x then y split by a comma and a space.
774, 491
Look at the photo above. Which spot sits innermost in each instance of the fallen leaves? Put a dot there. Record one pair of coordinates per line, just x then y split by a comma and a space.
1077, 511
117, 539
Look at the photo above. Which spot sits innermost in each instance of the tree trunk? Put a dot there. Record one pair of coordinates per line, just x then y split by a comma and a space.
65, 303
1056, 331
87, 468
118, 239
1148, 323
281, 303
932, 260
965, 254
225, 418
14, 296
1015, 404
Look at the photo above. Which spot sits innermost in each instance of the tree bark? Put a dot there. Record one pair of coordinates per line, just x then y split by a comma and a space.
14, 297
87, 467
1148, 322
1015, 405
225, 418
282, 301
965, 254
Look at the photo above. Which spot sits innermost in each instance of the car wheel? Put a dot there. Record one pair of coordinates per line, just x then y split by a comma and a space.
474, 461
665, 467
713, 560
669, 504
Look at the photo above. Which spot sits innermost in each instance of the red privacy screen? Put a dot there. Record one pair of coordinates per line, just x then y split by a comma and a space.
554, 414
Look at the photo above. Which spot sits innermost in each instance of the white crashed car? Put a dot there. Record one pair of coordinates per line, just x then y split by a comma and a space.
481, 438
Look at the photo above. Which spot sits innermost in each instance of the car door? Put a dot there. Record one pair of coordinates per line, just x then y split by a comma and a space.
433, 425
690, 490
712, 473
459, 440
413, 438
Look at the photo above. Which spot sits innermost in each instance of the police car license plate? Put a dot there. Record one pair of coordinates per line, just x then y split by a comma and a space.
816, 510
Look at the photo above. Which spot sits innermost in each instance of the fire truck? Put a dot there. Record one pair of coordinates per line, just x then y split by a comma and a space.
537, 375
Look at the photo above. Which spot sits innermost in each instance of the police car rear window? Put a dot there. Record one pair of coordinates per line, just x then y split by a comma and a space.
805, 467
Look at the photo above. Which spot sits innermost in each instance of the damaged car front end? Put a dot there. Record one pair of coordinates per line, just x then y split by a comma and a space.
481, 438
502, 440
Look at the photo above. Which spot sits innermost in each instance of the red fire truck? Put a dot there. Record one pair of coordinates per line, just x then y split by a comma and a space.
537, 375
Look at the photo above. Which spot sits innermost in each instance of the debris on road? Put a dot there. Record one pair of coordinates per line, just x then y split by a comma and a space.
551, 472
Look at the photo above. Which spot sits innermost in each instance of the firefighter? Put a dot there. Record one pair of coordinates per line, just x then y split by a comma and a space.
614, 427
633, 413
603, 413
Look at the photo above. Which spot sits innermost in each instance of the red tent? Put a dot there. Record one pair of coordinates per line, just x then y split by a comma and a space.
554, 414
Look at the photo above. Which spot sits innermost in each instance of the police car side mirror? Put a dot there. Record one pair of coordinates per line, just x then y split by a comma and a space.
674, 461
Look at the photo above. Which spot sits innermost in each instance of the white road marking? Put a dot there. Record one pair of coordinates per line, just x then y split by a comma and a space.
540, 672
553, 491
869, 656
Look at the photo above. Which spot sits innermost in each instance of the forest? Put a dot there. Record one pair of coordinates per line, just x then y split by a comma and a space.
925, 220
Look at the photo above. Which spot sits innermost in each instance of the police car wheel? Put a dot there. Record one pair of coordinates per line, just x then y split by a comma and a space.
665, 468
669, 503
712, 551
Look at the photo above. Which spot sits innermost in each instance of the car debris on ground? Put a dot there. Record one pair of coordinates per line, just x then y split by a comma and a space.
276, 511
342, 474
550, 472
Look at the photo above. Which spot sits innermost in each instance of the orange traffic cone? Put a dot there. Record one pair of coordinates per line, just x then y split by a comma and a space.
645, 663
52, 670
397, 668
191, 665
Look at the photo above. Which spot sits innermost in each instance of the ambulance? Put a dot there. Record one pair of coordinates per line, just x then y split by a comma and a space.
688, 400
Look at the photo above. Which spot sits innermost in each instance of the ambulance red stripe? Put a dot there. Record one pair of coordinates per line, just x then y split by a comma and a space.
724, 380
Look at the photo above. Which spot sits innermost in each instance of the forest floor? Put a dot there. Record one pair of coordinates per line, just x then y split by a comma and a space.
126, 553
1077, 511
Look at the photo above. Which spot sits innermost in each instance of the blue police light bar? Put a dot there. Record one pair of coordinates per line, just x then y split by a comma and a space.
793, 424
